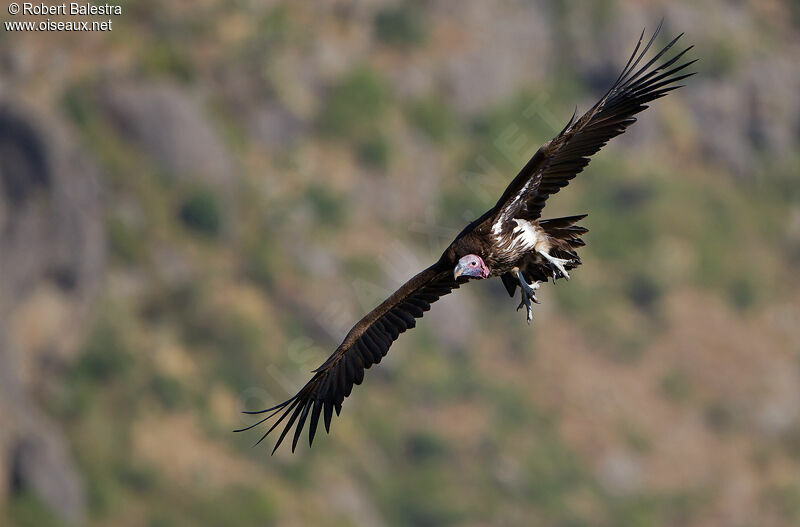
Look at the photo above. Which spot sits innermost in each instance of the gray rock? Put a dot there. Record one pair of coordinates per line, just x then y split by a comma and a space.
274, 127
715, 106
502, 52
756, 112
51, 235
171, 127
775, 104
51, 224
619, 472
44, 465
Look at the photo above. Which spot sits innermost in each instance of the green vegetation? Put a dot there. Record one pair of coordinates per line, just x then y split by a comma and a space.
329, 208
167, 59
237, 506
28, 511
275, 26
375, 152
106, 356
169, 391
721, 58
676, 386
785, 500
200, 211
644, 292
400, 26
354, 106
260, 264
125, 243
433, 117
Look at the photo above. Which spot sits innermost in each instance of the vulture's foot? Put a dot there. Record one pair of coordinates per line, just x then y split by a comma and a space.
528, 294
558, 265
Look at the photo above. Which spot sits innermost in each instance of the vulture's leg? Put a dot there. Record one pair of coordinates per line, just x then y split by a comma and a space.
558, 264
528, 294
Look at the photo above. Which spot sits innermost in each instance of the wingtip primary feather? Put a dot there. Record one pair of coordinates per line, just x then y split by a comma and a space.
279, 407
276, 407
641, 80
630, 59
636, 57
301, 423
295, 410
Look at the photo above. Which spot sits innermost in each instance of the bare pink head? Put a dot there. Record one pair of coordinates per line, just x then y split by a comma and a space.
471, 265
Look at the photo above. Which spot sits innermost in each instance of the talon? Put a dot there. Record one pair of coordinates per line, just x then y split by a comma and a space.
558, 265
527, 294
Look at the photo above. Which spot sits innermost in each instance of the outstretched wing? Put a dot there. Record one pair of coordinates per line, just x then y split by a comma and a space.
365, 345
562, 158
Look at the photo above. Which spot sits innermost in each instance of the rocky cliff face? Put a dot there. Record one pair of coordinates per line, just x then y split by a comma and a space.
264, 174
51, 269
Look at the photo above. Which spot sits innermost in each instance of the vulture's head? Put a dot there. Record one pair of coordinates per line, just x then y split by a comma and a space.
471, 265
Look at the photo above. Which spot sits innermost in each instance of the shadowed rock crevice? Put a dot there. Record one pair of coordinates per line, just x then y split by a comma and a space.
23, 164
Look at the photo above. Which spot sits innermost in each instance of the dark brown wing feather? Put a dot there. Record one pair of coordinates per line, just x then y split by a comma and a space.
365, 345
565, 156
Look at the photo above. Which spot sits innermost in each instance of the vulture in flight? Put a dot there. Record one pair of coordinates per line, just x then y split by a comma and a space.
510, 241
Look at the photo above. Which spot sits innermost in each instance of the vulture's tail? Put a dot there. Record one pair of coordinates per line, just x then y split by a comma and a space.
566, 235
565, 239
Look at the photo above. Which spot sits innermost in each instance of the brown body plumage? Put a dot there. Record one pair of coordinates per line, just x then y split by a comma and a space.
510, 239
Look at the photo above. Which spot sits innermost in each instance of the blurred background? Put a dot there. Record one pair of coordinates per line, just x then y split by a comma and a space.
196, 206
